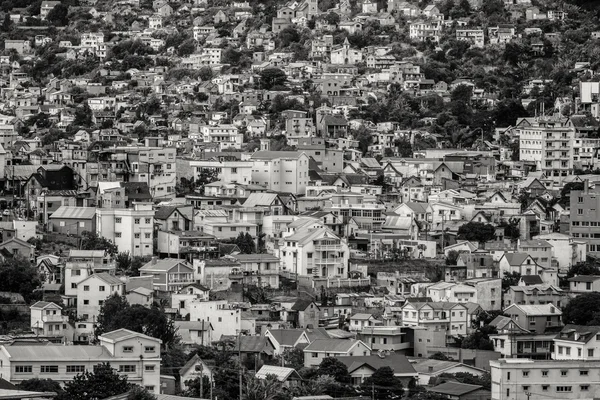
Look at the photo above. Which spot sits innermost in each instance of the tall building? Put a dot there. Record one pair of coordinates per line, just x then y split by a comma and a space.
585, 217
129, 228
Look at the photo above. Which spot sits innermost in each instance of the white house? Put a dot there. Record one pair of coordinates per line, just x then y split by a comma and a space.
93, 291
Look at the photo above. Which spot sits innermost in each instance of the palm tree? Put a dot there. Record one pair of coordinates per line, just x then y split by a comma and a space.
262, 389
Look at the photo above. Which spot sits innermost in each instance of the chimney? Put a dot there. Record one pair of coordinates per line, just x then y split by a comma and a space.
153, 260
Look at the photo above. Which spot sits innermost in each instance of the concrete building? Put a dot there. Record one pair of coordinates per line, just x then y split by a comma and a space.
130, 229
319, 349
132, 354
93, 291
169, 274
535, 318
281, 171
585, 217
224, 317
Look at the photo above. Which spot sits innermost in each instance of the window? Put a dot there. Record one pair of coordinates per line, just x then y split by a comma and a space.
136, 221
86, 288
102, 288
149, 349
137, 235
117, 234
590, 352
49, 369
563, 388
147, 235
127, 349
75, 369
584, 388
118, 220
23, 369
525, 388
315, 355
544, 373
149, 388
86, 302
147, 220
564, 372
126, 368
149, 368
525, 373
583, 373
545, 388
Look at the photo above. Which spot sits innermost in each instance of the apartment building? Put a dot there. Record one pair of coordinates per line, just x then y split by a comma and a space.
513, 341
517, 378
225, 170
425, 31
280, 171
315, 252
474, 36
367, 213
81, 264
93, 291
584, 217
576, 342
226, 136
536, 294
132, 354
47, 320
225, 318
453, 318
392, 338
130, 229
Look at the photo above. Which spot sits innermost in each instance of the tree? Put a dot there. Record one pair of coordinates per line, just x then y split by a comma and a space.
117, 313
332, 18
383, 384
195, 389
7, 23
245, 242
271, 77
583, 268
288, 36
510, 279
123, 261
452, 257
262, 389
103, 382
480, 339
333, 367
511, 229
292, 358
91, 241
404, 147
187, 47
83, 115
477, 232
583, 310
19, 276
59, 15
41, 385
566, 190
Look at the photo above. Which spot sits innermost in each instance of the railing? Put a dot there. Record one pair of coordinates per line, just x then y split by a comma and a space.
53, 318
328, 247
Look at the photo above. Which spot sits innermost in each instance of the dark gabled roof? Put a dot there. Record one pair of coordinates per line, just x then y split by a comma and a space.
584, 278
302, 304
398, 362
254, 344
532, 279
584, 333
455, 388
166, 211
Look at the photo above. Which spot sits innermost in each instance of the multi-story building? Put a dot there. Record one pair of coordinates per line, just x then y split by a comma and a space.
474, 36
93, 291
226, 136
130, 229
386, 338
364, 210
132, 354
512, 341
47, 320
169, 274
225, 318
453, 318
585, 217
281, 171
535, 318
517, 378
81, 264
576, 342
315, 252
535, 294
425, 31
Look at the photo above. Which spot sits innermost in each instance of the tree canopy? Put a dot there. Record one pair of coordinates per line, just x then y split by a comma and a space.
477, 232
583, 310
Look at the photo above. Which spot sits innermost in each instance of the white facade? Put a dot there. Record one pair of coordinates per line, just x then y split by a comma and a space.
93, 291
129, 228
281, 171
225, 319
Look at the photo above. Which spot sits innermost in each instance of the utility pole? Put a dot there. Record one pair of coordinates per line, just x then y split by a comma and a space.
240, 359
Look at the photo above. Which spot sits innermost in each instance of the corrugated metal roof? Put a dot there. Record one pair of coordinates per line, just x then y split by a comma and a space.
68, 212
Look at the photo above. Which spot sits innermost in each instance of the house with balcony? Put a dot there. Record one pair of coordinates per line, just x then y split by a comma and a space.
361, 320
386, 338
187, 245
257, 269
169, 274
318, 253
47, 320
535, 318
452, 318
514, 341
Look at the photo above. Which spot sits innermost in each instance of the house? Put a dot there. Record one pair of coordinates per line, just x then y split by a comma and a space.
521, 263
430, 368
360, 321
535, 318
70, 220
195, 332
319, 349
584, 283
362, 367
130, 229
175, 218
169, 274
286, 339
17, 247
287, 376
195, 368
47, 320
452, 318
93, 291
127, 351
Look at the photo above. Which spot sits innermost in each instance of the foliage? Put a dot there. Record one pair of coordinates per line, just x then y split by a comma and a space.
195, 389
262, 389
383, 384
479, 339
103, 382
333, 367
452, 257
91, 241
510, 279
187, 47
59, 15
476, 232
583, 268
272, 77
404, 147
439, 356
292, 358
583, 310
511, 229
117, 313
41, 385
484, 380
17, 275
245, 242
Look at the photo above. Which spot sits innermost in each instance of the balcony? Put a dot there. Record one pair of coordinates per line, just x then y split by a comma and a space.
54, 318
332, 262
328, 247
